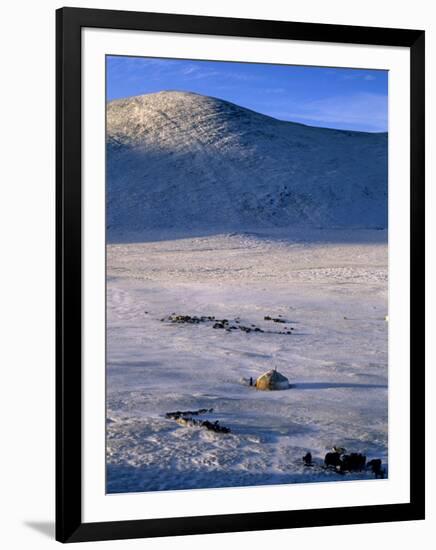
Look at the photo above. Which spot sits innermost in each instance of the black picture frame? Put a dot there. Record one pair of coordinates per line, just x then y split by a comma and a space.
69, 525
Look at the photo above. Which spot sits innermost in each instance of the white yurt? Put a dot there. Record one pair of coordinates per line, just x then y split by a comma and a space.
272, 380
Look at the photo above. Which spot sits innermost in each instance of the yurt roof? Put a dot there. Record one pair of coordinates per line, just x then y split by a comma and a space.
274, 376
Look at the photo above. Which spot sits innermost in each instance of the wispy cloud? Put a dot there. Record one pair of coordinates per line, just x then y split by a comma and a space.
359, 76
358, 110
135, 69
198, 72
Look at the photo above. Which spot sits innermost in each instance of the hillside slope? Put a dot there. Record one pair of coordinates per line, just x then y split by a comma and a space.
184, 162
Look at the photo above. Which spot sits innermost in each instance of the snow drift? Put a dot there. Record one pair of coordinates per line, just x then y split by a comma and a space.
184, 162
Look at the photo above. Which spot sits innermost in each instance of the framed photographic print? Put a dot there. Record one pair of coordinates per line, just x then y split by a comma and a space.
240, 274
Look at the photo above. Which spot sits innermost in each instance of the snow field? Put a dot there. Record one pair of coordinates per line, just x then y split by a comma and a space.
332, 290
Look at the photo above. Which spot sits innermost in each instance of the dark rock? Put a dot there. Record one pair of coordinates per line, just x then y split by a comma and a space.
214, 426
179, 414
184, 418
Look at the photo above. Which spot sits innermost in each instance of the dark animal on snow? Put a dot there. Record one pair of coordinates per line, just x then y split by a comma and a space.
307, 459
332, 460
375, 466
354, 462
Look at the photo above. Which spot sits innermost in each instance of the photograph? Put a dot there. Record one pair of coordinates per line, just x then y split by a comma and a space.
214, 271
246, 274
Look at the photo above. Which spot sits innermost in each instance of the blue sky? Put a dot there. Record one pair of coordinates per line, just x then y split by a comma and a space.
352, 99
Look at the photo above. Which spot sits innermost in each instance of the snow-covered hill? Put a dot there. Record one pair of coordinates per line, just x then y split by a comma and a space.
184, 162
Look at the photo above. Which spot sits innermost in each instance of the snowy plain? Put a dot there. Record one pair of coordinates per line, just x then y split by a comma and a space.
330, 286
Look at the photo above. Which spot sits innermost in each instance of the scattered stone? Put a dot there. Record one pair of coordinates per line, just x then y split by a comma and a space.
184, 418
178, 414
184, 421
214, 426
194, 319
224, 323
277, 319
274, 319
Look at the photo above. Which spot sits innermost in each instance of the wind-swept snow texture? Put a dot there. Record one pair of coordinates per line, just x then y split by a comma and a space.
180, 161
